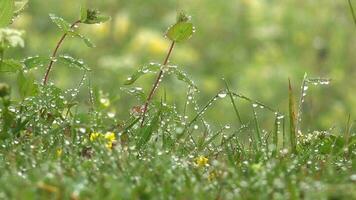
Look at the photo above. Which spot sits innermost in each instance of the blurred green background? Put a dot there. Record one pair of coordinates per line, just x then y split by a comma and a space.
254, 44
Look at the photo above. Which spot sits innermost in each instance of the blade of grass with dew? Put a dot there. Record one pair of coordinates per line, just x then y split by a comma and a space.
292, 119
303, 90
233, 102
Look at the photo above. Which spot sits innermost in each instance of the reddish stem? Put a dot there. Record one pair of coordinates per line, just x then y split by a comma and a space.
156, 84
54, 55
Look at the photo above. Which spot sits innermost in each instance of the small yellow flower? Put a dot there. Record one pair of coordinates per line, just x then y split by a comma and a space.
201, 161
59, 152
94, 136
111, 138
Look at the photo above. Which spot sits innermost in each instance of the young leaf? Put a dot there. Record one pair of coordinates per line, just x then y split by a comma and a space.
60, 22
180, 32
72, 62
10, 66
6, 12
37, 61
93, 16
151, 68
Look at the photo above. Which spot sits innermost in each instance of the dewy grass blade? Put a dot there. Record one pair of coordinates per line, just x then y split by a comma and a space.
292, 120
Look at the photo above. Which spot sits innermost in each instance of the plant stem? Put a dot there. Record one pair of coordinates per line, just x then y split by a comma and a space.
233, 102
156, 84
54, 55
352, 11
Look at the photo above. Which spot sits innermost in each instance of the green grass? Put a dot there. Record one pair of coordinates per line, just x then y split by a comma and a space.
54, 146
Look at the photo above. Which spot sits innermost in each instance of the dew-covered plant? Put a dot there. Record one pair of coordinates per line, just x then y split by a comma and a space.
52, 146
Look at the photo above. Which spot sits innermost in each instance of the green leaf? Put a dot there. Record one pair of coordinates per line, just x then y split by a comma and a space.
72, 62
6, 12
180, 32
83, 12
147, 131
61, 23
182, 76
27, 85
10, 66
150, 68
85, 39
135, 91
20, 6
93, 16
37, 61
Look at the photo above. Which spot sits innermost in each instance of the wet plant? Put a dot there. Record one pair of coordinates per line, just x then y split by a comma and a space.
54, 146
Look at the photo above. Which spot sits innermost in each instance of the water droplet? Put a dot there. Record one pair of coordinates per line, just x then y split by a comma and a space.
222, 94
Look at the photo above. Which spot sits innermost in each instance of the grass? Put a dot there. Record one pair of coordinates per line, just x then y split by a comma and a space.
53, 147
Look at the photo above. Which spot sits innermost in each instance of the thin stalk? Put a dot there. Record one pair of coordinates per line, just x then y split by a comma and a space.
292, 120
301, 101
233, 102
54, 54
156, 84
352, 11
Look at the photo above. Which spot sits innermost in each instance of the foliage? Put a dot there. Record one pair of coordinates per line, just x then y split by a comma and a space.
58, 143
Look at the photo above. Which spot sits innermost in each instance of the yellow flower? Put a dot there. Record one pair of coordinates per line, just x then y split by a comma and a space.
59, 152
110, 136
201, 161
95, 136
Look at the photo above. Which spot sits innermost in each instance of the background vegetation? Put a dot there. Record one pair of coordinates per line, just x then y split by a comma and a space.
80, 137
255, 45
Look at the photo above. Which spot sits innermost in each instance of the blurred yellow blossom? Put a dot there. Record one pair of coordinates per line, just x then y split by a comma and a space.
201, 161
109, 138
150, 40
59, 152
121, 25
94, 136
100, 30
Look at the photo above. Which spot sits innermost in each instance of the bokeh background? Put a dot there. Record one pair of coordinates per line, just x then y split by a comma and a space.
254, 44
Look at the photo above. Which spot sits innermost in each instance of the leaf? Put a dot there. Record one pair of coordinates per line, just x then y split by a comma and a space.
150, 68
27, 86
20, 6
147, 131
135, 91
292, 119
182, 76
6, 12
61, 23
72, 62
180, 32
98, 20
93, 16
83, 12
10, 66
37, 61
85, 39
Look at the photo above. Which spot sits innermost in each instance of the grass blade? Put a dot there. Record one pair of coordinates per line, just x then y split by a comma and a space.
292, 119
